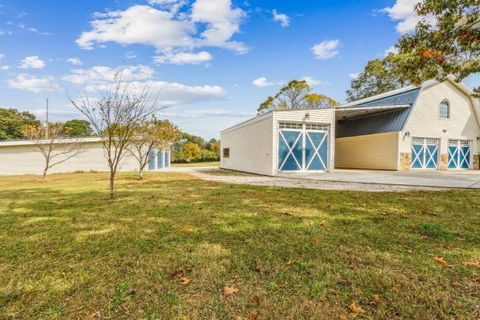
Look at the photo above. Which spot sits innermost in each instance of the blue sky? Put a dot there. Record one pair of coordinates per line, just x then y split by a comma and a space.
210, 61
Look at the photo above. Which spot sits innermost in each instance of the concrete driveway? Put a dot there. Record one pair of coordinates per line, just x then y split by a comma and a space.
356, 180
442, 179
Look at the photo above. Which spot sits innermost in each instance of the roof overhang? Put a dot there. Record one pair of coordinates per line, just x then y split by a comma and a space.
344, 113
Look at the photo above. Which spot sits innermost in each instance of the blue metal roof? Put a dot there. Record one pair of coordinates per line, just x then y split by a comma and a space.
382, 122
387, 121
408, 97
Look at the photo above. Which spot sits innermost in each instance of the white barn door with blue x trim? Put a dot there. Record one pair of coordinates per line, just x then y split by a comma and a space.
303, 147
425, 153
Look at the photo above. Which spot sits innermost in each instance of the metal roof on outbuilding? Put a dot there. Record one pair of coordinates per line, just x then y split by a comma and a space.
408, 97
383, 121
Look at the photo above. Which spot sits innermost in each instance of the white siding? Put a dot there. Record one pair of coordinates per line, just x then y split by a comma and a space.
27, 159
373, 151
320, 116
425, 122
250, 145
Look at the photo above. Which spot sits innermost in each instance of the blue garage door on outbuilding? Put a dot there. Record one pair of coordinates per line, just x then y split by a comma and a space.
425, 153
303, 147
459, 154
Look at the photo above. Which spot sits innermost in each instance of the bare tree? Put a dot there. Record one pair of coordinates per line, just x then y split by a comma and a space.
53, 149
150, 135
115, 113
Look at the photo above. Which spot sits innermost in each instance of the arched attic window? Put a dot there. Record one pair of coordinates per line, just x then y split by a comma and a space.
444, 109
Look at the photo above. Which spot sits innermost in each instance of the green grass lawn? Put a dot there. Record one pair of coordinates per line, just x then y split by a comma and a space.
197, 164
168, 246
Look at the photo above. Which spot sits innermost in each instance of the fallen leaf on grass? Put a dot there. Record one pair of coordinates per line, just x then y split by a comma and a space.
472, 263
188, 229
356, 308
441, 260
228, 291
376, 298
184, 281
290, 262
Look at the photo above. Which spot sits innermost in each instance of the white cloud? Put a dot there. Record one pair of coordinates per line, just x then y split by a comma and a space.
32, 62
282, 18
313, 82
25, 81
130, 55
326, 49
171, 93
183, 57
26, 28
2, 56
404, 12
74, 61
392, 49
262, 82
222, 21
354, 76
170, 5
209, 23
4, 67
102, 74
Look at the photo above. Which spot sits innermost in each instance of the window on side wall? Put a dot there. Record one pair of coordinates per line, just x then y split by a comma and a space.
444, 109
226, 152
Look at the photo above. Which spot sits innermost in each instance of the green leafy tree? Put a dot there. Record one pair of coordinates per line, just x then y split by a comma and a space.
192, 152
150, 135
379, 76
12, 122
77, 128
296, 95
445, 42
319, 101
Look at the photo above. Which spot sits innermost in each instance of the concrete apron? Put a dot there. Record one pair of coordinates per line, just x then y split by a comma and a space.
468, 179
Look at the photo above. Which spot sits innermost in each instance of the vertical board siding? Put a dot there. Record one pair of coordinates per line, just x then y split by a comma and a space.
425, 122
27, 159
375, 151
250, 145
320, 116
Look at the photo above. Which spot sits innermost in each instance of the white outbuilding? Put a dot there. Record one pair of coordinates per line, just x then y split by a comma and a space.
24, 157
281, 141
435, 126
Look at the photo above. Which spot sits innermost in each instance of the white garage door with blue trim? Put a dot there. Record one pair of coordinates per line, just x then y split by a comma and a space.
303, 147
425, 153
459, 154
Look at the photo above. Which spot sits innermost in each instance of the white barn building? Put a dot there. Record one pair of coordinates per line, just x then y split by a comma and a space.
24, 157
281, 141
435, 126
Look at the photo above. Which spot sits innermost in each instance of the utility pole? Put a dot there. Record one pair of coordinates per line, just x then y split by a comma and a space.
46, 124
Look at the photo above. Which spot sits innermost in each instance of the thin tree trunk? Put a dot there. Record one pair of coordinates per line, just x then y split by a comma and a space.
44, 173
112, 185
140, 173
